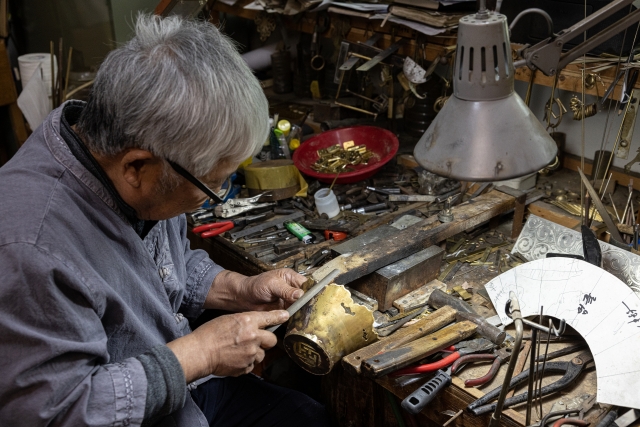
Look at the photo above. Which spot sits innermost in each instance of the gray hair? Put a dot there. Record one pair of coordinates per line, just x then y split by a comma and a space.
180, 90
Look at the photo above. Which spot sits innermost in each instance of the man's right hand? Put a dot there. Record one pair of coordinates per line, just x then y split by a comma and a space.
229, 345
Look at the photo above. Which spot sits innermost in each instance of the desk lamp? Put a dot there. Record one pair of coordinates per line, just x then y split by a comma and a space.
485, 131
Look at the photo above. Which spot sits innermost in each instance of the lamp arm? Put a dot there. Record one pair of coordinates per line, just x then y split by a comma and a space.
547, 55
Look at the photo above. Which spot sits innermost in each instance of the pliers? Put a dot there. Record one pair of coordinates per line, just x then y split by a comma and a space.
417, 400
571, 370
233, 207
499, 356
459, 350
213, 229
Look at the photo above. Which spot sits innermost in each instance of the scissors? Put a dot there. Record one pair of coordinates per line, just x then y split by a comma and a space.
213, 229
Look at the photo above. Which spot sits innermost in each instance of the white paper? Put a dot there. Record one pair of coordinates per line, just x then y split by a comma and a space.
602, 308
422, 28
34, 100
363, 7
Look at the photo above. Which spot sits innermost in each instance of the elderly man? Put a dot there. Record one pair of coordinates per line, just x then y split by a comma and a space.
98, 280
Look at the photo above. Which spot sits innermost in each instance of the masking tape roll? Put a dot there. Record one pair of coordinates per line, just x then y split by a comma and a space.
279, 177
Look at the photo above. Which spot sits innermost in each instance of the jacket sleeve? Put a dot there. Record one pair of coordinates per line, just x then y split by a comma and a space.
54, 362
201, 271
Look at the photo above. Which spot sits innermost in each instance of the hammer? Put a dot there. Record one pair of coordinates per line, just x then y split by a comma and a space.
464, 312
468, 324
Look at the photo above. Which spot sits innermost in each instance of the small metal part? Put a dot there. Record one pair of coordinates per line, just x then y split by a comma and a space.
371, 208
462, 292
387, 190
457, 245
447, 271
411, 198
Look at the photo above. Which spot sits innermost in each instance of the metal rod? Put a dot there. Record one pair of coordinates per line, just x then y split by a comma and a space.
544, 362
614, 208
517, 320
532, 358
537, 373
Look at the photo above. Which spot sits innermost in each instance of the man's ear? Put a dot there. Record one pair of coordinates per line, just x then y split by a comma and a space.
137, 164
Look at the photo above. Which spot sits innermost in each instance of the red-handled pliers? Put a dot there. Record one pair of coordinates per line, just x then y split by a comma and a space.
458, 350
499, 357
213, 229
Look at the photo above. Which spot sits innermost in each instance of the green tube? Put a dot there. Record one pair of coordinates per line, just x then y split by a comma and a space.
299, 231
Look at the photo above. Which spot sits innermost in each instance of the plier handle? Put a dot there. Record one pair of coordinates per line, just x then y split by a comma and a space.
213, 229
570, 370
458, 350
498, 358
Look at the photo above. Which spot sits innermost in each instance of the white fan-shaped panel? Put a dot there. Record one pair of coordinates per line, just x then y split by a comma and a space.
603, 309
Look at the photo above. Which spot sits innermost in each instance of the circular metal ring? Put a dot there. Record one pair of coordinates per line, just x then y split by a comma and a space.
317, 62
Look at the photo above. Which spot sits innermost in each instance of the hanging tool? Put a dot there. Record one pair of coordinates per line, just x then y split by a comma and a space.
380, 57
616, 239
571, 370
457, 351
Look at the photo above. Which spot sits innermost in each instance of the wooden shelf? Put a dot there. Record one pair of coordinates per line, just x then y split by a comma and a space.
570, 78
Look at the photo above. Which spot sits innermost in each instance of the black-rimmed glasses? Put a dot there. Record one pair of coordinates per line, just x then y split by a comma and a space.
195, 181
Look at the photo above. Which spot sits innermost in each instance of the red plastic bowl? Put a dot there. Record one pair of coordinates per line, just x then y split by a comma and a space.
381, 142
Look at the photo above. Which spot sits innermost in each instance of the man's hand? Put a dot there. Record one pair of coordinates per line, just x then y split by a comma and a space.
228, 345
271, 290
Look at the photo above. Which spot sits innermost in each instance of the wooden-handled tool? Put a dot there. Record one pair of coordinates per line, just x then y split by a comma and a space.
436, 320
382, 364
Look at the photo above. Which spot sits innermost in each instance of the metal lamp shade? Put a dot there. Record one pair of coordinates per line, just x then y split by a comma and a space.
484, 132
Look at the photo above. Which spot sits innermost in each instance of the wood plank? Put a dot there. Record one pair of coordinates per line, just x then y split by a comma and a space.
436, 320
418, 297
420, 236
399, 357
570, 79
573, 163
554, 214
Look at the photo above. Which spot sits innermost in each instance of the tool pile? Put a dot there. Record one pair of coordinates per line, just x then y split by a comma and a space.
259, 227
433, 349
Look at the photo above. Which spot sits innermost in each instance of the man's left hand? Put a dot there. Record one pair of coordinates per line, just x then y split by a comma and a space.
271, 290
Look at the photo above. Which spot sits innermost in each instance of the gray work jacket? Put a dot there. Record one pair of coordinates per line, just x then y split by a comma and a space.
81, 294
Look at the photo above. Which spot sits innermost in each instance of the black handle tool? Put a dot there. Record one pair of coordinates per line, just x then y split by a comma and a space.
416, 401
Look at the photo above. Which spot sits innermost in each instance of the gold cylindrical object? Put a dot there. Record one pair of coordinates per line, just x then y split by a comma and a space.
328, 328
277, 177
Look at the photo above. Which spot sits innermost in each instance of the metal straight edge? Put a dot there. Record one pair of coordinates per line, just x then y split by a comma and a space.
379, 57
349, 63
273, 223
315, 290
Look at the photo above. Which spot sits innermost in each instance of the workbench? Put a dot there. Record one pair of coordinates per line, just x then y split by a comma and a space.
355, 401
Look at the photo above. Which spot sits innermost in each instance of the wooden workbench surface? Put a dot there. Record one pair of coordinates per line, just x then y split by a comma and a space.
358, 401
